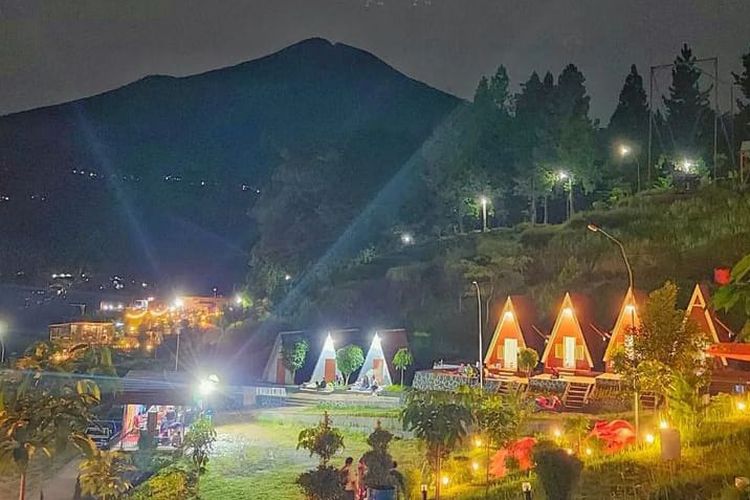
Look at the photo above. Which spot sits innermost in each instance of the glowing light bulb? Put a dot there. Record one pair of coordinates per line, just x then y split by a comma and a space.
663, 424
556, 432
650, 438
508, 315
589, 451
569, 451
568, 311
445, 480
741, 406
477, 442
475, 466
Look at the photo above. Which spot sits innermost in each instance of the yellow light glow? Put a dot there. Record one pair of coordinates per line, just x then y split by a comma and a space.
569, 451
663, 424
629, 308
508, 315
650, 438
556, 432
568, 311
475, 466
445, 480
477, 442
741, 406
589, 451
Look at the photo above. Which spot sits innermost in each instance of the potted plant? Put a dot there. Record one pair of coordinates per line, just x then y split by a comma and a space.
381, 478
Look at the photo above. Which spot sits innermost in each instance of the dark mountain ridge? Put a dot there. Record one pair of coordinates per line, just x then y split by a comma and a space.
159, 174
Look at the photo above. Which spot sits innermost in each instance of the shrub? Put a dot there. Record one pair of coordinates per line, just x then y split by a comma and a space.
557, 471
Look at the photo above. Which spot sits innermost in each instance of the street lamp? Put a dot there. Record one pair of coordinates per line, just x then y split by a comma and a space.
2, 342
596, 229
563, 176
484, 201
626, 151
479, 326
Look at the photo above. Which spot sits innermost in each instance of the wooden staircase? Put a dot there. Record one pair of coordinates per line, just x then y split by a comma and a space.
577, 394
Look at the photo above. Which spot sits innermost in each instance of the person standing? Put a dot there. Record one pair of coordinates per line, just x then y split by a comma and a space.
350, 478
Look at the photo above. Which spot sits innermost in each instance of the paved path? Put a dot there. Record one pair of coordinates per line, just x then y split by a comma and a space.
59, 487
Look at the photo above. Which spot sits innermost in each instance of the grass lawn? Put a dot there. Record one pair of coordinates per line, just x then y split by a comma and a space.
259, 459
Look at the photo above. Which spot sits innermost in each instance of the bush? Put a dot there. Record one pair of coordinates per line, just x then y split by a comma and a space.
558, 472
322, 483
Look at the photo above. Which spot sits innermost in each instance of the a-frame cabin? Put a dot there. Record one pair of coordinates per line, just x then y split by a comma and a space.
627, 320
512, 333
699, 310
568, 346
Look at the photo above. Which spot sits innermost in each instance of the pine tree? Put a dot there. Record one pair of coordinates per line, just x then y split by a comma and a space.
574, 130
629, 122
743, 82
688, 112
534, 139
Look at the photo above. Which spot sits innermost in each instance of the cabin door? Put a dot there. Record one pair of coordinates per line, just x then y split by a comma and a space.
329, 375
280, 372
510, 354
377, 369
569, 352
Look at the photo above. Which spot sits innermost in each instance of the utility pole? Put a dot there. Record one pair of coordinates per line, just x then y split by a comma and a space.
716, 118
650, 119
479, 325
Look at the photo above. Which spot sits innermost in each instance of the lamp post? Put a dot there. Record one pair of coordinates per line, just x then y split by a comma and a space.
563, 176
2, 343
483, 200
177, 350
479, 326
625, 151
596, 229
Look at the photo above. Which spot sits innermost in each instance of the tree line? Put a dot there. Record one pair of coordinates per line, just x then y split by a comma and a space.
535, 156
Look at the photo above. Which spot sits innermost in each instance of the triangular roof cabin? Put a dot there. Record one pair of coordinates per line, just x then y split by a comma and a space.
627, 319
698, 310
513, 332
574, 342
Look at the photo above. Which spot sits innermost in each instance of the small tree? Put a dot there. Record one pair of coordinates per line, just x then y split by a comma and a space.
402, 360
294, 355
39, 417
103, 475
378, 461
349, 359
527, 360
199, 439
576, 429
323, 440
498, 419
557, 471
441, 420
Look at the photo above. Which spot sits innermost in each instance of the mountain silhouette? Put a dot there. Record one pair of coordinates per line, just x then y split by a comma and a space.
165, 169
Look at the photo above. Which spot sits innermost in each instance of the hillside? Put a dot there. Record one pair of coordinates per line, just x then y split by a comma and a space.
165, 169
426, 287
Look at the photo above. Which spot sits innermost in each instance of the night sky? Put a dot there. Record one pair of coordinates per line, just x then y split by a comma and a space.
56, 50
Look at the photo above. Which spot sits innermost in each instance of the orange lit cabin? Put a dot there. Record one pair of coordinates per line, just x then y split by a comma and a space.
698, 310
574, 342
512, 333
627, 319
